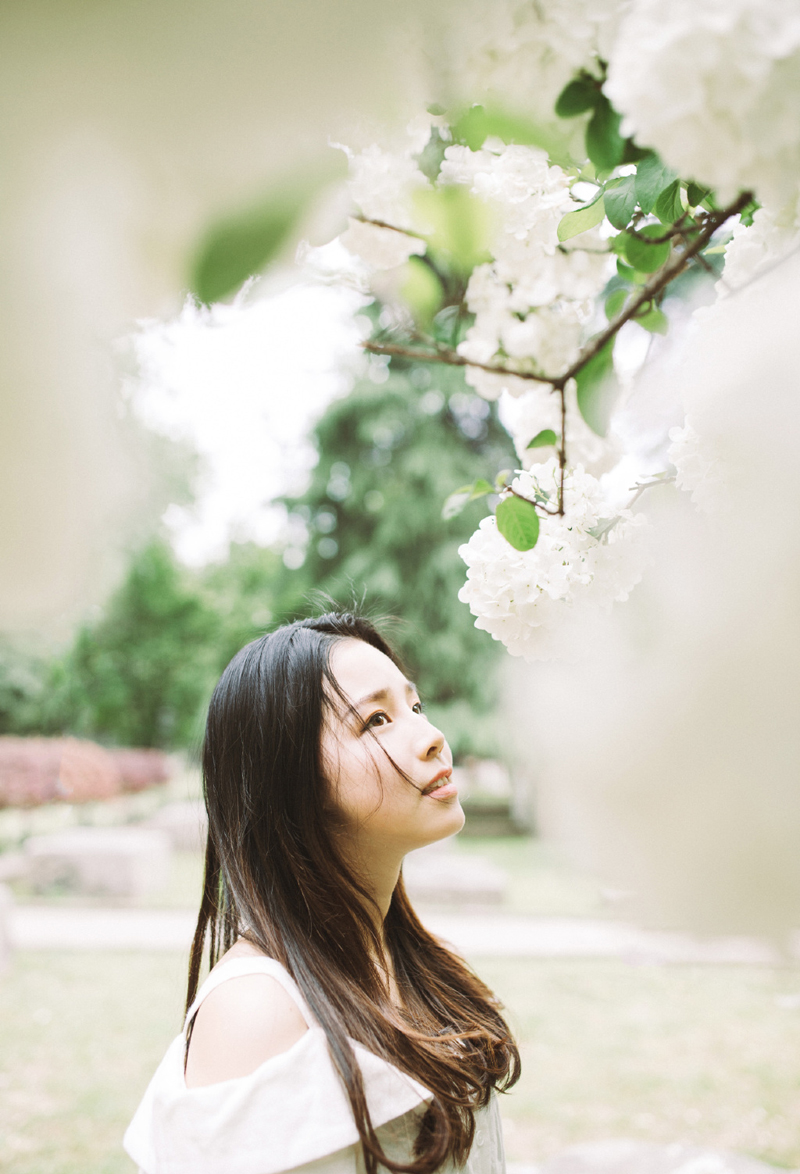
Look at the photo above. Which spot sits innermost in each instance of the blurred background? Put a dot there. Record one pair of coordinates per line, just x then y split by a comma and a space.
152, 525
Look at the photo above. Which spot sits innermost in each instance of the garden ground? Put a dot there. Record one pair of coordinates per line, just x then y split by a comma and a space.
660, 1053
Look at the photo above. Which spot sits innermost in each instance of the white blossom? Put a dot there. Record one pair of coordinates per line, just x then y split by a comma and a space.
382, 248
520, 54
535, 299
530, 195
588, 559
755, 248
382, 184
698, 472
539, 408
714, 87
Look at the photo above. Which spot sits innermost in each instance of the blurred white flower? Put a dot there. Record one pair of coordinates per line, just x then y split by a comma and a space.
755, 248
714, 87
382, 184
529, 195
382, 248
539, 408
588, 559
698, 472
521, 55
536, 298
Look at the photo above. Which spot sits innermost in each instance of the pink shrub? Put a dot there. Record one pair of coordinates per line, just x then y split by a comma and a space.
34, 771
141, 769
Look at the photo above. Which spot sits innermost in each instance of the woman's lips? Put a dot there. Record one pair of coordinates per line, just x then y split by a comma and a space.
445, 791
442, 787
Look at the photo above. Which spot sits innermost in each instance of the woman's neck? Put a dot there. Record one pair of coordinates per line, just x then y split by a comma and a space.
378, 872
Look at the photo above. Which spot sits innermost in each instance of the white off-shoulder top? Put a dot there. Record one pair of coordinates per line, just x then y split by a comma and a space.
290, 1114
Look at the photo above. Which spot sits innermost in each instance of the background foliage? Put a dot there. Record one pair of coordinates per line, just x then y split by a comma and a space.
390, 452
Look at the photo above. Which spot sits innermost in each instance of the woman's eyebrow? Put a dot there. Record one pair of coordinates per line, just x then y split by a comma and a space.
382, 694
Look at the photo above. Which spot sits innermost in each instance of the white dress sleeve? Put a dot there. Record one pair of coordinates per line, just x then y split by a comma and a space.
290, 1114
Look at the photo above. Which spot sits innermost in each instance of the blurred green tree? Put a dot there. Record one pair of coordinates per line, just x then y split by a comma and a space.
390, 453
141, 675
24, 680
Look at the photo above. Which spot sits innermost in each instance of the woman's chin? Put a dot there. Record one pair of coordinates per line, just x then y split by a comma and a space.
449, 820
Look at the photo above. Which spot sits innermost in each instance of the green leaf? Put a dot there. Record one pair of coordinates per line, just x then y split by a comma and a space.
582, 93
502, 479
620, 200
604, 144
480, 488
240, 246
422, 291
598, 389
695, 194
456, 501
445, 326
574, 223
431, 156
477, 123
459, 223
543, 439
614, 303
655, 320
624, 270
642, 256
652, 176
669, 207
632, 153
747, 213
518, 522
471, 128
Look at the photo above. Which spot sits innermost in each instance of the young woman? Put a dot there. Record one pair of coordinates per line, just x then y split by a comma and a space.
334, 1034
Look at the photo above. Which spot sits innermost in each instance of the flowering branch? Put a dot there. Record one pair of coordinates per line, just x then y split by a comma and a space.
391, 227
538, 505
650, 290
449, 356
656, 284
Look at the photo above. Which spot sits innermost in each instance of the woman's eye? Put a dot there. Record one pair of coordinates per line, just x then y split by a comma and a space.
417, 707
377, 719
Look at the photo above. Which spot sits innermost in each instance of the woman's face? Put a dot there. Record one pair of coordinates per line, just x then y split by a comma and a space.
378, 807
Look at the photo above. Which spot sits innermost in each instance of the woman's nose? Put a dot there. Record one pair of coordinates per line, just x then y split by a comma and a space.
434, 743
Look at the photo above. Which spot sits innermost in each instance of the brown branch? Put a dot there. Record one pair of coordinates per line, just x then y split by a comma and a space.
537, 505
650, 290
449, 356
677, 229
393, 227
654, 286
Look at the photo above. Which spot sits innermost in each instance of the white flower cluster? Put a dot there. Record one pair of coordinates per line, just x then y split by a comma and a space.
714, 87
539, 409
698, 473
590, 558
521, 54
533, 300
754, 249
382, 184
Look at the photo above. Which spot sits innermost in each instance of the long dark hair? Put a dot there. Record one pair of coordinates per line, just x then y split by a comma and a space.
273, 875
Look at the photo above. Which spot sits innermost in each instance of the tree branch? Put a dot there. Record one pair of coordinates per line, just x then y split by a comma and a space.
649, 291
451, 357
537, 505
654, 286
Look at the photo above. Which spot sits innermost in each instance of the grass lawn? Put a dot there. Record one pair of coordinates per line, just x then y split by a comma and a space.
707, 1054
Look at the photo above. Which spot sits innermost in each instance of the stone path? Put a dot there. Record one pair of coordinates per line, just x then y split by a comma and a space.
51, 927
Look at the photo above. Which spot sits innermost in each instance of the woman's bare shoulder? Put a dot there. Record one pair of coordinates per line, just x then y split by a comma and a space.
240, 1024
